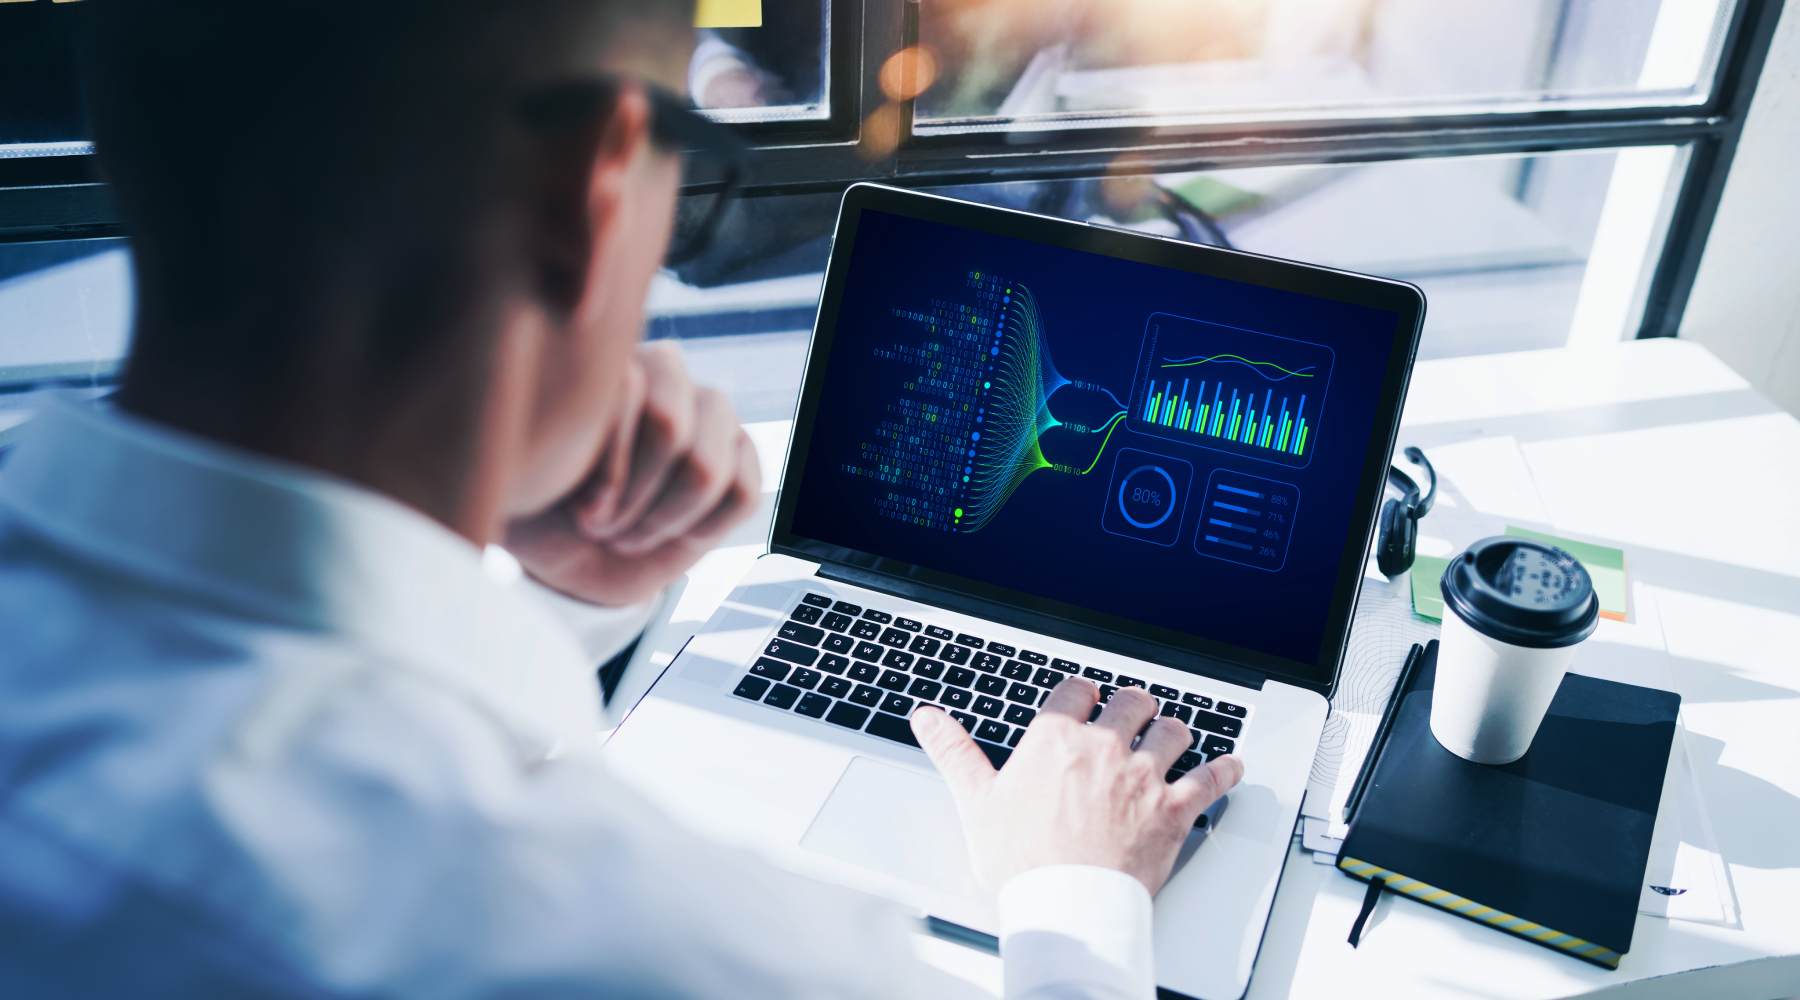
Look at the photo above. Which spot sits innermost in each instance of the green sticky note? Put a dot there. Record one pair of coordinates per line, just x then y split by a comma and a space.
1606, 568
1428, 600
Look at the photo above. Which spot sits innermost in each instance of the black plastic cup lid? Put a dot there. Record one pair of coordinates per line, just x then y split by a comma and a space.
1522, 592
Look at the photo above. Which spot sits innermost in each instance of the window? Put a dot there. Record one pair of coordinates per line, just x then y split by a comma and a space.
1545, 169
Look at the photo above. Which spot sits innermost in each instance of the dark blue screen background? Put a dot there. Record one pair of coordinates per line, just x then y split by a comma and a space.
1047, 539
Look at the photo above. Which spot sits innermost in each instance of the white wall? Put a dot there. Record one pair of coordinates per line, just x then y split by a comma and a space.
1746, 301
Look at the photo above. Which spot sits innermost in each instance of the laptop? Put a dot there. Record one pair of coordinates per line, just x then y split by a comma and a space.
1028, 449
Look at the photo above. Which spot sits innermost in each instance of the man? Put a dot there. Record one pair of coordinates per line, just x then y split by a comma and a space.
266, 728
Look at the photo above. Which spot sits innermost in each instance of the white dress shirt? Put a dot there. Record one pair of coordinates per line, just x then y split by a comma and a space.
264, 732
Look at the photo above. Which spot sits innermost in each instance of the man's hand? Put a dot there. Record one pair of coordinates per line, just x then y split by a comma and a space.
677, 475
1074, 793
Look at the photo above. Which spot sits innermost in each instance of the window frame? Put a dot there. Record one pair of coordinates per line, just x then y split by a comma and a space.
54, 194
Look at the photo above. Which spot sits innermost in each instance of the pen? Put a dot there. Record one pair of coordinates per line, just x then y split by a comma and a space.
1413, 658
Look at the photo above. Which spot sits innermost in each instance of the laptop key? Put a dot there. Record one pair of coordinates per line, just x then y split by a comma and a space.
1223, 725
839, 643
1214, 746
968, 721
878, 617
1094, 713
957, 697
929, 668
818, 600
991, 730
899, 659
943, 634
792, 652
990, 685
1002, 649
1176, 710
846, 608
1196, 700
989, 707
865, 630
1022, 693
897, 703
908, 624
987, 663
1045, 677
801, 633
837, 687
806, 614
996, 754
864, 672
1124, 681
867, 651
833, 664
893, 680
804, 678
922, 688
1188, 761
1164, 691
1196, 736
1015, 671
782, 696
955, 654
1035, 659
836, 622
1096, 674
960, 677
892, 727
813, 705
1013, 740
752, 688
969, 641
772, 669
1019, 715
895, 637
847, 715
866, 695
1235, 711
924, 645
1066, 666
1106, 693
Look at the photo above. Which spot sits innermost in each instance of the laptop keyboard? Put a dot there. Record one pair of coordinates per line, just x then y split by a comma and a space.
865, 669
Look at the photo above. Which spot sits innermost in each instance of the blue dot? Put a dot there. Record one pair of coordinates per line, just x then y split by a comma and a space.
1007, 299
976, 436
968, 469
978, 420
971, 453
995, 351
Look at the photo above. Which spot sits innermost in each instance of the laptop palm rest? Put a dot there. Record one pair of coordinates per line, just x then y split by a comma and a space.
897, 822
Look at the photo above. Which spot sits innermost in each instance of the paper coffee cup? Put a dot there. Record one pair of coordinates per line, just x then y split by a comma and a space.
1515, 610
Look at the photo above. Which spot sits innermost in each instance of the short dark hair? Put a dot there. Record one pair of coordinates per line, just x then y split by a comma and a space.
297, 151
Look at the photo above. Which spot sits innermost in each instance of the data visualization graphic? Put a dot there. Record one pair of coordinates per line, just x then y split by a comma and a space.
1146, 496
1231, 390
1247, 519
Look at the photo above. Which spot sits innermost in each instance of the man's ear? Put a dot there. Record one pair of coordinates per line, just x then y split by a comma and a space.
578, 181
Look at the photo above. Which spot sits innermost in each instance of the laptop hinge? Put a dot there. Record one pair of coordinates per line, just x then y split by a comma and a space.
1060, 628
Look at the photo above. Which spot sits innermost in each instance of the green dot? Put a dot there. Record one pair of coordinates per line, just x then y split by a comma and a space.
959, 512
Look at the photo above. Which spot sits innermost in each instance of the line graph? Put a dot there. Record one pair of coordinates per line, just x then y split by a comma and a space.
1229, 389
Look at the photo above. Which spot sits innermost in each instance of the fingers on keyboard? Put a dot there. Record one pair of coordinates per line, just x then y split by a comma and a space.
865, 669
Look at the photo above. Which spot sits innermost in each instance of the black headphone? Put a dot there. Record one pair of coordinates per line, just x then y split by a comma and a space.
1399, 533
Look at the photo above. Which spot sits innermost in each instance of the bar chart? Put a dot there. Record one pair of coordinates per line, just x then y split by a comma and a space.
1247, 519
1232, 390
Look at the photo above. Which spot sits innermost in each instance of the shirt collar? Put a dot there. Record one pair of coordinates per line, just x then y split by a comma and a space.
295, 549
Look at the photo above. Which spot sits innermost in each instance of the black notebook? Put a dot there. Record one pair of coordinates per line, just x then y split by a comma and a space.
1551, 847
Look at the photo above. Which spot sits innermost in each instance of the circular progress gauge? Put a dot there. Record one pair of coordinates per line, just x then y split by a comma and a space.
1146, 496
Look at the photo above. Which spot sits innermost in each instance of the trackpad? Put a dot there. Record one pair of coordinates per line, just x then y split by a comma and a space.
897, 822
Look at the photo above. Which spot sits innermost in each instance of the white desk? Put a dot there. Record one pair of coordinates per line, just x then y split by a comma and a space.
1659, 447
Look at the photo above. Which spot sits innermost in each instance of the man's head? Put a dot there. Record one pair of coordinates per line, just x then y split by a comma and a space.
363, 243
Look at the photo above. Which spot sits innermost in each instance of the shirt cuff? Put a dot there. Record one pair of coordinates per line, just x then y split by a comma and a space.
603, 632
1079, 927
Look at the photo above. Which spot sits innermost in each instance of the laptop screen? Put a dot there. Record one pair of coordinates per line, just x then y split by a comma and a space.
1160, 452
